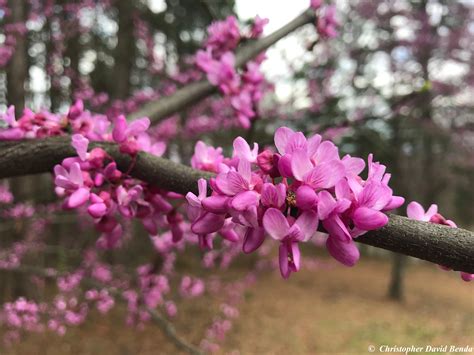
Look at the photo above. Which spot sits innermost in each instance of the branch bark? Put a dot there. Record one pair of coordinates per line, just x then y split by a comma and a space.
450, 247
195, 92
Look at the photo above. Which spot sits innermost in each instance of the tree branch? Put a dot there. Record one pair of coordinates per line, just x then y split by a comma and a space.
26, 157
195, 92
450, 247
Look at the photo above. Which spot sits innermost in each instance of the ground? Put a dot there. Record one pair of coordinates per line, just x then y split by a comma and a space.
328, 311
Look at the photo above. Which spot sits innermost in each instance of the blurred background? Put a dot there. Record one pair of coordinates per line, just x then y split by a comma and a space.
398, 81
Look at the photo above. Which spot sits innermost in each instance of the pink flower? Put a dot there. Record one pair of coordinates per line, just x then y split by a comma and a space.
9, 127
219, 72
273, 195
191, 287
267, 161
312, 152
302, 229
315, 4
131, 202
204, 222
346, 253
98, 206
321, 176
126, 134
76, 110
222, 73
206, 158
416, 211
242, 150
257, 26
146, 144
370, 201
327, 23
253, 75
73, 183
242, 103
240, 185
223, 34
80, 144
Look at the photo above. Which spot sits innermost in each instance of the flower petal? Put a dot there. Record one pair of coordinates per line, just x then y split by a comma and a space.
97, 210
296, 142
308, 223
306, 197
75, 174
208, 223
78, 197
353, 166
242, 150
282, 135
119, 132
375, 195
283, 261
325, 175
273, 196
431, 212
284, 166
344, 252
80, 144
395, 202
326, 152
231, 183
336, 228
326, 204
138, 126
313, 144
295, 255
215, 204
244, 200
415, 211
254, 237
275, 224
369, 219
300, 164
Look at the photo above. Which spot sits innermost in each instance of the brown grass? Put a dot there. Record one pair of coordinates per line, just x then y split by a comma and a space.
337, 311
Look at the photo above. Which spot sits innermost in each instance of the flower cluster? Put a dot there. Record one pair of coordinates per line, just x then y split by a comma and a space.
217, 60
5, 194
327, 23
416, 211
94, 181
287, 195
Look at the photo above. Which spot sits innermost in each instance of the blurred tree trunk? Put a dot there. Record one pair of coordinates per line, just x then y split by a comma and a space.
395, 290
425, 192
125, 51
17, 69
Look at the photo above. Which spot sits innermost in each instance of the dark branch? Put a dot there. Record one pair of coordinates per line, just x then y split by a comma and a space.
39, 156
195, 92
451, 247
